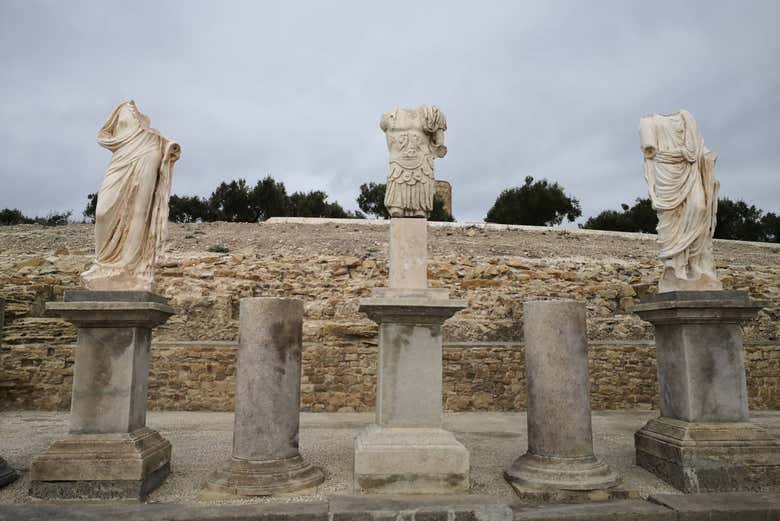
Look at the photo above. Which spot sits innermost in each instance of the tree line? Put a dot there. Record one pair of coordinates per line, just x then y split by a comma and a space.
543, 203
237, 201
535, 202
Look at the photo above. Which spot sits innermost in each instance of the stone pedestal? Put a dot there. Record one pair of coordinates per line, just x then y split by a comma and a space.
109, 452
560, 437
265, 457
408, 253
7, 474
704, 441
406, 451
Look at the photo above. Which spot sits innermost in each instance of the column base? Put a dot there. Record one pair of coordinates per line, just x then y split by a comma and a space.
410, 460
576, 474
709, 457
102, 466
7, 474
265, 478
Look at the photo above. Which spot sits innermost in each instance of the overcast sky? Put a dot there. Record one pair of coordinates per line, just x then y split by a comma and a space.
295, 89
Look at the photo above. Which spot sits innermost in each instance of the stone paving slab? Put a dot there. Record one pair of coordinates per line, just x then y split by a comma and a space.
709, 507
627, 510
748, 506
317, 511
419, 508
202, 442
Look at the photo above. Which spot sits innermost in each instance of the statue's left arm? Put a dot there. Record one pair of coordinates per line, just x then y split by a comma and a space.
435, 125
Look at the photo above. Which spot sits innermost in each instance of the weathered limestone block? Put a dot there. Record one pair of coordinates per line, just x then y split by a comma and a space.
704, 440
7, 474
265, 457
560, 437
489, 268
109, 452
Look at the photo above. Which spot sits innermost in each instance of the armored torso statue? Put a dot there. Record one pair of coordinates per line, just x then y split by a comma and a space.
414, 138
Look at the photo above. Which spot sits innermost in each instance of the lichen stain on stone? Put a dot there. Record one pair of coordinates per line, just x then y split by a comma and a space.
286, 339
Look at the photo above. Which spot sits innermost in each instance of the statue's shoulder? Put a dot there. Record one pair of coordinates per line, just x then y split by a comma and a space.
388, 118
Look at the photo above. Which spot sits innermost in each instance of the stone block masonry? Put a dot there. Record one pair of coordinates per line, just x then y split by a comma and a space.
330, 266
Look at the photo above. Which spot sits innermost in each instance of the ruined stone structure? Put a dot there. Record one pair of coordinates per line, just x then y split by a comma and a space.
444, 191
330, 267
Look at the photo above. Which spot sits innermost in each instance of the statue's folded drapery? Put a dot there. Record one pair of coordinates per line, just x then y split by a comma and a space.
679, 170
132, 206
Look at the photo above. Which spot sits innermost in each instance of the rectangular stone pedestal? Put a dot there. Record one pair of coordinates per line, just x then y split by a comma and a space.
410, 461
407, 451
7, 474
109, 452
704, 441
102, 466
709, 457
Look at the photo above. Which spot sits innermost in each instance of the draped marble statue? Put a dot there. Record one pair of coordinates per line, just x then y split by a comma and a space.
414, 138
680, 173
132, 205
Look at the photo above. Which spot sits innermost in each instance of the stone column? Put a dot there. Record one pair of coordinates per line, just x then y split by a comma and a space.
560, 438
265, 457
406, 451
109, 453
704, 440
7, 474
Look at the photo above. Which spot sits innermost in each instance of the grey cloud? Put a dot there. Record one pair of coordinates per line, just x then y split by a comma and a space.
295, 89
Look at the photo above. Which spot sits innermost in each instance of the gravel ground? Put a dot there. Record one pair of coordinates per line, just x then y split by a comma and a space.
202, 443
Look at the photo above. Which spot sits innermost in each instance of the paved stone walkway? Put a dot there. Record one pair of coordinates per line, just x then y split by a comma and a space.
662, 507
202, 443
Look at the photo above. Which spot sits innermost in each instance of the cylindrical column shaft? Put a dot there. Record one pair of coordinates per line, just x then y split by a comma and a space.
560, 440
268, 379
556, 369
265, 458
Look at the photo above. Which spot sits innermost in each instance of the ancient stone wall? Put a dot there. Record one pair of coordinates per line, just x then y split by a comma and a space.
331, 266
